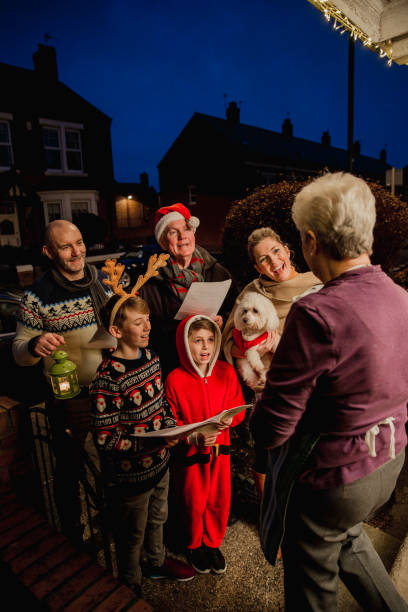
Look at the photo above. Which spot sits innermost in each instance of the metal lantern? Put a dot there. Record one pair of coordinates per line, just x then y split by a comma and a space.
64, 378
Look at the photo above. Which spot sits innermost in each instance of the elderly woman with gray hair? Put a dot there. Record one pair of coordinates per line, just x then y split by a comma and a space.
339, 379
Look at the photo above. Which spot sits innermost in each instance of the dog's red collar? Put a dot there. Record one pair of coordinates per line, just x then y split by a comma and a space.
244, 345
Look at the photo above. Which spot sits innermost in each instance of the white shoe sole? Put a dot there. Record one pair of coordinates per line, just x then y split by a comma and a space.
201, 571
219, 571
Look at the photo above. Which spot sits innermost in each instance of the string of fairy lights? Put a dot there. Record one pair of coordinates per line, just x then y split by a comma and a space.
342, 22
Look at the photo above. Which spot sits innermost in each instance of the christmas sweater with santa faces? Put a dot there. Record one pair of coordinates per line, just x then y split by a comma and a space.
127, 397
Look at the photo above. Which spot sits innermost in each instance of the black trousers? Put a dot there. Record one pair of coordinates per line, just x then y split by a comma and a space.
70, 422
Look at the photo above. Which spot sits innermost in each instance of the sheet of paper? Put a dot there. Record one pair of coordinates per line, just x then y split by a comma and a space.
183, 430
203, 298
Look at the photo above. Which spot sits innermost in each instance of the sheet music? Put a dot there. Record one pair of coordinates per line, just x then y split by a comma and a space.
183, 430
203, 298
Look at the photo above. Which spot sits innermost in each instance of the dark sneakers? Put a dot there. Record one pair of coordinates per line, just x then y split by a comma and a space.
205, 559
217, 561
171, 568
199, 559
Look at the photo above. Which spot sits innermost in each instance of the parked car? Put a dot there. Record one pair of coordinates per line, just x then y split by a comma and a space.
9, 305
135, 262
25, 384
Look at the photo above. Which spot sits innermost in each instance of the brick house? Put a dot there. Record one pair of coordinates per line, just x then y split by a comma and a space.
55, 156
215, 161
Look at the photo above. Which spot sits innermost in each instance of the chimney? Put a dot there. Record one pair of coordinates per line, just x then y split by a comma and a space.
144, 179
383, 156
287, 128
232, 112
45, 62
356, 148
326, 139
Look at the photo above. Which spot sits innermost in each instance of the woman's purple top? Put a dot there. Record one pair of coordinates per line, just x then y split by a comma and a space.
343, 358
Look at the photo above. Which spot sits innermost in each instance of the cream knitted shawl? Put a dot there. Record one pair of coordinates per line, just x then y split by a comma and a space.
281, 295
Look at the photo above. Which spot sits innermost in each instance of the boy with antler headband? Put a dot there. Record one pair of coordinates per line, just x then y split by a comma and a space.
127, 398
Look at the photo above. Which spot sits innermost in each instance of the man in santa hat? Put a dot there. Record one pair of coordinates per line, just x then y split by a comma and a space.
188, 263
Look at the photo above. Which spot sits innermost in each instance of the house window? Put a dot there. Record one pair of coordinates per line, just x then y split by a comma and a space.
6, 153
7, 228
68, 204
78, 207
62, 144
53, 211
9, 225
73, 149
52, 148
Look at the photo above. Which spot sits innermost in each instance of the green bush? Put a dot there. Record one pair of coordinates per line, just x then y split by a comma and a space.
271, 206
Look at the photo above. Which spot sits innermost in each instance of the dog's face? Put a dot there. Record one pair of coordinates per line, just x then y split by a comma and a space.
255, 314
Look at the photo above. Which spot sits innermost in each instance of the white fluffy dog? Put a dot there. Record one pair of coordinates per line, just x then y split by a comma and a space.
254, 317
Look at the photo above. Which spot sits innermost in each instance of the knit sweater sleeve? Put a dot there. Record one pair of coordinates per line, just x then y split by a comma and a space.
169, 420
305, 354
105, 407
29, 327
172, 401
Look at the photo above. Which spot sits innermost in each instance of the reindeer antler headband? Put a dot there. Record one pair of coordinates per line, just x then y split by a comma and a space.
114, 271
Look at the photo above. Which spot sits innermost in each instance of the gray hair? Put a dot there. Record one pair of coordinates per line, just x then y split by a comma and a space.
340, 209
257, 236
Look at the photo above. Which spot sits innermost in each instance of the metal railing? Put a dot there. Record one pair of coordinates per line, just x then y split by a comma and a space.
97, 538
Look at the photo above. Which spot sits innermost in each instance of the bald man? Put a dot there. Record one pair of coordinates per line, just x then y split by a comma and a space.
61, 310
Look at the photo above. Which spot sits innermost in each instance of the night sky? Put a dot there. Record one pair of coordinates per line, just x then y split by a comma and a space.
151, 64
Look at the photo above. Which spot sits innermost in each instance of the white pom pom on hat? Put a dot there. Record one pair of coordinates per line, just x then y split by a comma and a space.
166, 214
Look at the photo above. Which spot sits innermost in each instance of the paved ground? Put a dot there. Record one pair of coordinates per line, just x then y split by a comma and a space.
249, 584
252, 584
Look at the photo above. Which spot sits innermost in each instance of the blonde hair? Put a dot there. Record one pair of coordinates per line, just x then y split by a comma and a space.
135, 303
257, 236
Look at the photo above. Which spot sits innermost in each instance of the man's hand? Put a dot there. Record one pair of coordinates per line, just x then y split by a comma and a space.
47, 344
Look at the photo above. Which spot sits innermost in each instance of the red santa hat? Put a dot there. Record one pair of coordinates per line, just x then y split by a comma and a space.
167, 214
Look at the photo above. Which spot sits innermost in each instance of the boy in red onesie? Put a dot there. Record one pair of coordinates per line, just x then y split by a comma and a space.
200, 388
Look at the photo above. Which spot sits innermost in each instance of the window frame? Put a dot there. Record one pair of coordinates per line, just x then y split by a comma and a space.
63, 127
67, 198
10, 214
7, 118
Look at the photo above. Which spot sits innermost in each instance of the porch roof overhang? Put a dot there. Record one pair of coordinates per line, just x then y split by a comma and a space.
380, 24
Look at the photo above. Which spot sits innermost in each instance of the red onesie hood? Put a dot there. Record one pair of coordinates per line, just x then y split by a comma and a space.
183, 348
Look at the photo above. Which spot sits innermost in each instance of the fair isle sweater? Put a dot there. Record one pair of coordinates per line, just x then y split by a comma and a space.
126, 397
47, 307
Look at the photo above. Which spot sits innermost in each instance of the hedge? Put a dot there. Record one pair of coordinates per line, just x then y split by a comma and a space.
271, 206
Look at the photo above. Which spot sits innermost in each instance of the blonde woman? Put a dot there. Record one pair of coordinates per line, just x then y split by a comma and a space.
280, 282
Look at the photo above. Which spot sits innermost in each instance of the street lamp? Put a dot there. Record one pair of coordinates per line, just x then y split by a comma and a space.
64, 378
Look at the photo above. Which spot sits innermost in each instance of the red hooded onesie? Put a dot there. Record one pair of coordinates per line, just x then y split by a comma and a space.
202, 477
